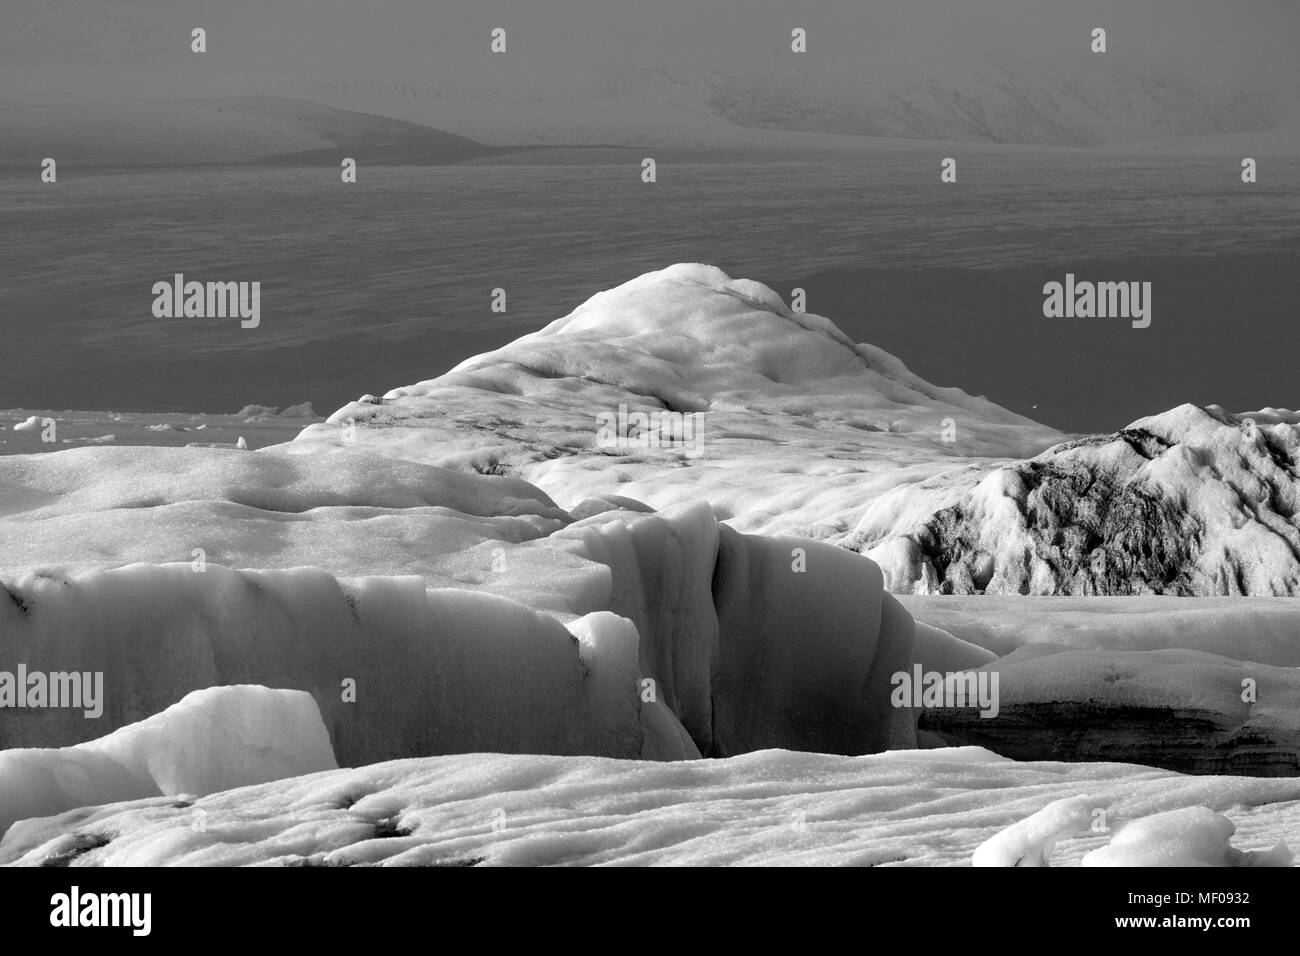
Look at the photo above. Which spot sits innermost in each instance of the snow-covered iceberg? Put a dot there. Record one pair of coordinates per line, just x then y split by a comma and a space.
614, 635
806, 433
1195, 501
666, 526
1187, 836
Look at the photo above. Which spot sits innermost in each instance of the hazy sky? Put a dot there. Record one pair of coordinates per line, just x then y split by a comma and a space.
1242, 42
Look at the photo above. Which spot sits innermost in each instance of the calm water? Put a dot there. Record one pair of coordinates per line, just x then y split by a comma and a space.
371, 286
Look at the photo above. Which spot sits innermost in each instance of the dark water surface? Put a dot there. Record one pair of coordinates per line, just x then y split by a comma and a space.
388, 282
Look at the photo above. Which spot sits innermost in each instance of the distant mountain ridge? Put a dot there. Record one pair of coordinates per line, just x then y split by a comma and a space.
933, 70
240, 129
991, 103
995, 103
409, 124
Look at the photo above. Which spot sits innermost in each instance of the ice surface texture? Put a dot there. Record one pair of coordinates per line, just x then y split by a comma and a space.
914, 808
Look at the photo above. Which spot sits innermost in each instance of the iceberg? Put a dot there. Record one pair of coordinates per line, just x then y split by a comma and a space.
1190, 836
211, 740
467, 566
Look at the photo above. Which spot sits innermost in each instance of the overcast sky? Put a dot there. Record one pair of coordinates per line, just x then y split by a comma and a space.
133, 45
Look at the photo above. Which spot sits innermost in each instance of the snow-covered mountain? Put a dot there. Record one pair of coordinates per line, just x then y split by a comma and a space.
86, 131
80, 62
990, 102
292, 118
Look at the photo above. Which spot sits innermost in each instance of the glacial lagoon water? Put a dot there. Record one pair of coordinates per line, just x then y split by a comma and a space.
389, 281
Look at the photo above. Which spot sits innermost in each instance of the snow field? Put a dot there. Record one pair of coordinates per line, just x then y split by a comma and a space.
772, 807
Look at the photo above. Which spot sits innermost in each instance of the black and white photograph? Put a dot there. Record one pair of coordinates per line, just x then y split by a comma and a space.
643, 433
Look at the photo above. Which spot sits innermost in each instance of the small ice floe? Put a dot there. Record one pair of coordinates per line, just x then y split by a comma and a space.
1188, 836
240, 444
261, 413
257, 412
211, 740
96, 440
1030, 842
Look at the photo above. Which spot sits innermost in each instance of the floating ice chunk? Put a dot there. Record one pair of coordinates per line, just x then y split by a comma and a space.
1189, 836
257, 411
211, 740
96, 440
303, 410
1030, 842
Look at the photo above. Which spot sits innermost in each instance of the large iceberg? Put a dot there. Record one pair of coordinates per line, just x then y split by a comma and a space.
653, 612
804, 432
1195, 501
